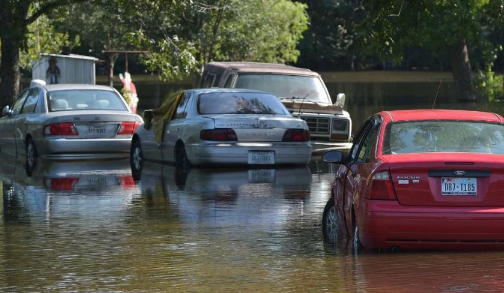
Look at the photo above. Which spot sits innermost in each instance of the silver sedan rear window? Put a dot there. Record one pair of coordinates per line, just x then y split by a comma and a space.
240, 103
73, 100
443, 136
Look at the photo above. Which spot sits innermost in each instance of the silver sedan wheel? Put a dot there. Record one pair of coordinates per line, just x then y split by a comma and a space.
137, 157
31, 155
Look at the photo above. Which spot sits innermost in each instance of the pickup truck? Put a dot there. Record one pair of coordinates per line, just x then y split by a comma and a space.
301, 90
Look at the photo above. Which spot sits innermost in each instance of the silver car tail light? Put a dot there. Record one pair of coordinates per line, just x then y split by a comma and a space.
220, 134
296, 135
63, 128
127, 128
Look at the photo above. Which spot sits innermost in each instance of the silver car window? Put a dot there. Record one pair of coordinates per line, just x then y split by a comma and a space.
240, 103
72, 100
16, 108
443, 136
31, 102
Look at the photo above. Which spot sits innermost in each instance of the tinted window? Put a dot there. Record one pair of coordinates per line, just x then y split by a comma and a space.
31, 102
16, 108
181, 108
229, 81
71, 100
308, 88
208, 80
240, 103
367, 145
443, 136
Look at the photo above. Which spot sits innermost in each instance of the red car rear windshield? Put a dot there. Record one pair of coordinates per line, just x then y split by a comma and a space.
240, 103
443, 136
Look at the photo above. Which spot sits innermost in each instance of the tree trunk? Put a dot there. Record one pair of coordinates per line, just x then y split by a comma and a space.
9, 72
461, 70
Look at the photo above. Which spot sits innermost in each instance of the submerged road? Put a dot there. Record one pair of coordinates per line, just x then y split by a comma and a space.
92, 227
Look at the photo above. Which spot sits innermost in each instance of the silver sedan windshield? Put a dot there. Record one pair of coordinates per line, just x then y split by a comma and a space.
70, 100
240, 103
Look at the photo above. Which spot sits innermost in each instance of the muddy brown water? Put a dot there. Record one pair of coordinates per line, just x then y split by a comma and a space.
89, 227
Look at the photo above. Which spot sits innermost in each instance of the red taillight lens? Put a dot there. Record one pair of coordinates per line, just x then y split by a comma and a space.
61, 183
64, 128
221, 134
296, 135
382, 187
127, 128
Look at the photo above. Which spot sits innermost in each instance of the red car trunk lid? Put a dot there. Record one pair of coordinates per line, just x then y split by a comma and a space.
448, 179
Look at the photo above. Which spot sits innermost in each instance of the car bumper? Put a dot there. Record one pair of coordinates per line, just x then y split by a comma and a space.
237, 153
61, 148
389, 224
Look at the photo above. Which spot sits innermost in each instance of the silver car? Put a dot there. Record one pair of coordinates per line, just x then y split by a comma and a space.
223, 126
68, 122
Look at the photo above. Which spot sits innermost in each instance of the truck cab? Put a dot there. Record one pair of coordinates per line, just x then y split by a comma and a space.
301, 90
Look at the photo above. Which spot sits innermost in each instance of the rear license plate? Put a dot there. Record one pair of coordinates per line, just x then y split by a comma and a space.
261, 157
97, 130
459, 186
261, 176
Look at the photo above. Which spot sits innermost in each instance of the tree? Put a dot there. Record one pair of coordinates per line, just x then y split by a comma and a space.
15, 17
183, 39
444, 26
329, 41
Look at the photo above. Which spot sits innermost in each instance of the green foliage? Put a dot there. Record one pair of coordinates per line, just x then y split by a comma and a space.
43, 38
489, 85
183, 39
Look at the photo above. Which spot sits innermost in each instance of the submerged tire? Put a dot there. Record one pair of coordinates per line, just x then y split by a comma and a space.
136, 159
31, 156
357, 245
330, 225
181, 160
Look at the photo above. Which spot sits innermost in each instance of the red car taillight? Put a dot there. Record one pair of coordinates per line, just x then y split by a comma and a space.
221, 134
61, 183
127, 128
296, 135
63, 128
382, 187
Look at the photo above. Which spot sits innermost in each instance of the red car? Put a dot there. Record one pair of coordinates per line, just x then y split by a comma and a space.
421, 179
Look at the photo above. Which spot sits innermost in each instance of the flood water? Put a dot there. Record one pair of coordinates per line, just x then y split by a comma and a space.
92, 227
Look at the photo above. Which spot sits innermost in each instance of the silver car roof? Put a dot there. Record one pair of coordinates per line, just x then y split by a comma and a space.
62, 87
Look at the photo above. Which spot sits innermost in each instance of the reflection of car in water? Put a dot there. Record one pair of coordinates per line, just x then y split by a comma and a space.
54, 185
231, 194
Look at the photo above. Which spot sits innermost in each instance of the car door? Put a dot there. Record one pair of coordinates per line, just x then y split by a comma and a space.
174, 129
25, 119
360, 166
7, 143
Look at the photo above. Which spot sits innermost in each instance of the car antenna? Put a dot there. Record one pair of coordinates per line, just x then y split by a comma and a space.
435, 98
302, 102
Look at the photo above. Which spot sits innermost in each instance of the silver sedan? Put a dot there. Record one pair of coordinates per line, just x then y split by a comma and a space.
68, 122
221, 126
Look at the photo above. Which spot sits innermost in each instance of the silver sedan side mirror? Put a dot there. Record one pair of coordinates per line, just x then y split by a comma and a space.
6, 111
340, 100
